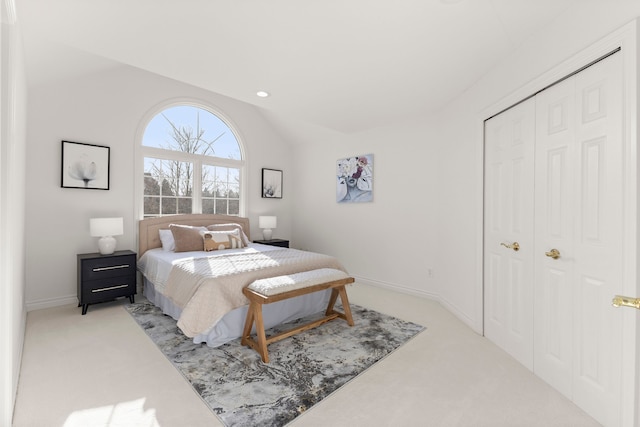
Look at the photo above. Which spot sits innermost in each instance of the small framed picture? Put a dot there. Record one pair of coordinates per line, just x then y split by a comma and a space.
271, 183
355, 179
85, 166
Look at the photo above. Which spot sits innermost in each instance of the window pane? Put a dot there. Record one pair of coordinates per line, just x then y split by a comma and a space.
192, 130
166, 179
151, 206
234, 207
234, 191
171, 177
222, 185
221, 206
184, 206
209, 182
208, 206
169, 206
151, 186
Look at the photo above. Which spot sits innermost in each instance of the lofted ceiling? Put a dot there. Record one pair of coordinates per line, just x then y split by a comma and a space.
345, 65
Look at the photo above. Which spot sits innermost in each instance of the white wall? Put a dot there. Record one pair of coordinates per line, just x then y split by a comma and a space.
107, 107
12, 206
389, 242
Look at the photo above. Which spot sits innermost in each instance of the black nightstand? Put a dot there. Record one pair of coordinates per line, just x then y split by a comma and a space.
106, 277
274, 242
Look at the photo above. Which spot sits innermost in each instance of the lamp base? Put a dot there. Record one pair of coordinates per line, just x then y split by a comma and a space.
107, 245
267, 233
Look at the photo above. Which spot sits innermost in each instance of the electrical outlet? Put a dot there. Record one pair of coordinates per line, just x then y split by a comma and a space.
430, 272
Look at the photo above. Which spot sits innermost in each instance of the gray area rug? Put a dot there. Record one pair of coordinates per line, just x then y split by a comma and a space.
304, 369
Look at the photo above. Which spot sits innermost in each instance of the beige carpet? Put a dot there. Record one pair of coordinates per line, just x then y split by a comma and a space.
102, 370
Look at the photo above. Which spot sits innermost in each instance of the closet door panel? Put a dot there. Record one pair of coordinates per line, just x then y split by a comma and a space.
509, 145
598, 244
579, 204
554, 200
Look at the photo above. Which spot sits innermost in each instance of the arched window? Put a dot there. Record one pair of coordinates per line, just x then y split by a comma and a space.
193, 163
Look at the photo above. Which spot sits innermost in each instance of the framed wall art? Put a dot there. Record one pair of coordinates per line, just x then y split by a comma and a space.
85, 166
355, 179
271, 183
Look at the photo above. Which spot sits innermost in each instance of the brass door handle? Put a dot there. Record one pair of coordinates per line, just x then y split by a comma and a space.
620, 301
515, 246
553, 253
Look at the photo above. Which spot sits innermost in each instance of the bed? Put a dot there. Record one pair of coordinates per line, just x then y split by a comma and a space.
202, 290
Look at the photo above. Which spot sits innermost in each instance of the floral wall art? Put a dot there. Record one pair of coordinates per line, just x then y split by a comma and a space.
355, 179
85, 166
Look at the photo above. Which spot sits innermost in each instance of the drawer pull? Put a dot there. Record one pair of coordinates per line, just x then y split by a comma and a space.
108, 289
114, 267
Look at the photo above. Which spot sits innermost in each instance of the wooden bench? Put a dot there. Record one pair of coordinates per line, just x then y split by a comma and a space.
266, 291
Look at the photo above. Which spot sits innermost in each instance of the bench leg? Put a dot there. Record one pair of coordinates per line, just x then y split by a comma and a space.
248, 324
345, 304
332, 301
262, 336
254, 314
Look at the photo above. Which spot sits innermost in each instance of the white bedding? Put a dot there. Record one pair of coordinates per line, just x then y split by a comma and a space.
156, 265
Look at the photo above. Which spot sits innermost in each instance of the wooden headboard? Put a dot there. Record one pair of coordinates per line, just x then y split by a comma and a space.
149, 237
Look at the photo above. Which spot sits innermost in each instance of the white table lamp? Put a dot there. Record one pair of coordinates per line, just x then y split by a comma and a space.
267, 223
106, 228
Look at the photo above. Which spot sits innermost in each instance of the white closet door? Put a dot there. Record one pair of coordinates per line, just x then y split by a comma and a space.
508, 274
579, 167
599, 223
555, 189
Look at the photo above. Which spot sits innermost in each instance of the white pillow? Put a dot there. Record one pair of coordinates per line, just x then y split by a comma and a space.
230, 226
166, 237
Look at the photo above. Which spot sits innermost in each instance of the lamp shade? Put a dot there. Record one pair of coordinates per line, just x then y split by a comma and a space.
267, 222
106, 228
100, 227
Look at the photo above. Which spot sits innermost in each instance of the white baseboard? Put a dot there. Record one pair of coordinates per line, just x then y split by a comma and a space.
59, 301
462, 316
430, 295
397, 288
51, 302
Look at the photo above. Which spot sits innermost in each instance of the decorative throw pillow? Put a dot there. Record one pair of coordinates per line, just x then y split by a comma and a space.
187, 238
166, 237
219, 240
230, 227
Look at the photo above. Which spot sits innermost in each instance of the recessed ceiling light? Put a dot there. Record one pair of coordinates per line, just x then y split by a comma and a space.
262, 93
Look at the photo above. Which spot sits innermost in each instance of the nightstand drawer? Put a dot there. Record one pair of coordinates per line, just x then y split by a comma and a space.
103, 290
102, 268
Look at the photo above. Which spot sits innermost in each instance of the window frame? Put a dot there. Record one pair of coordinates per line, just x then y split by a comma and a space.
198, 160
